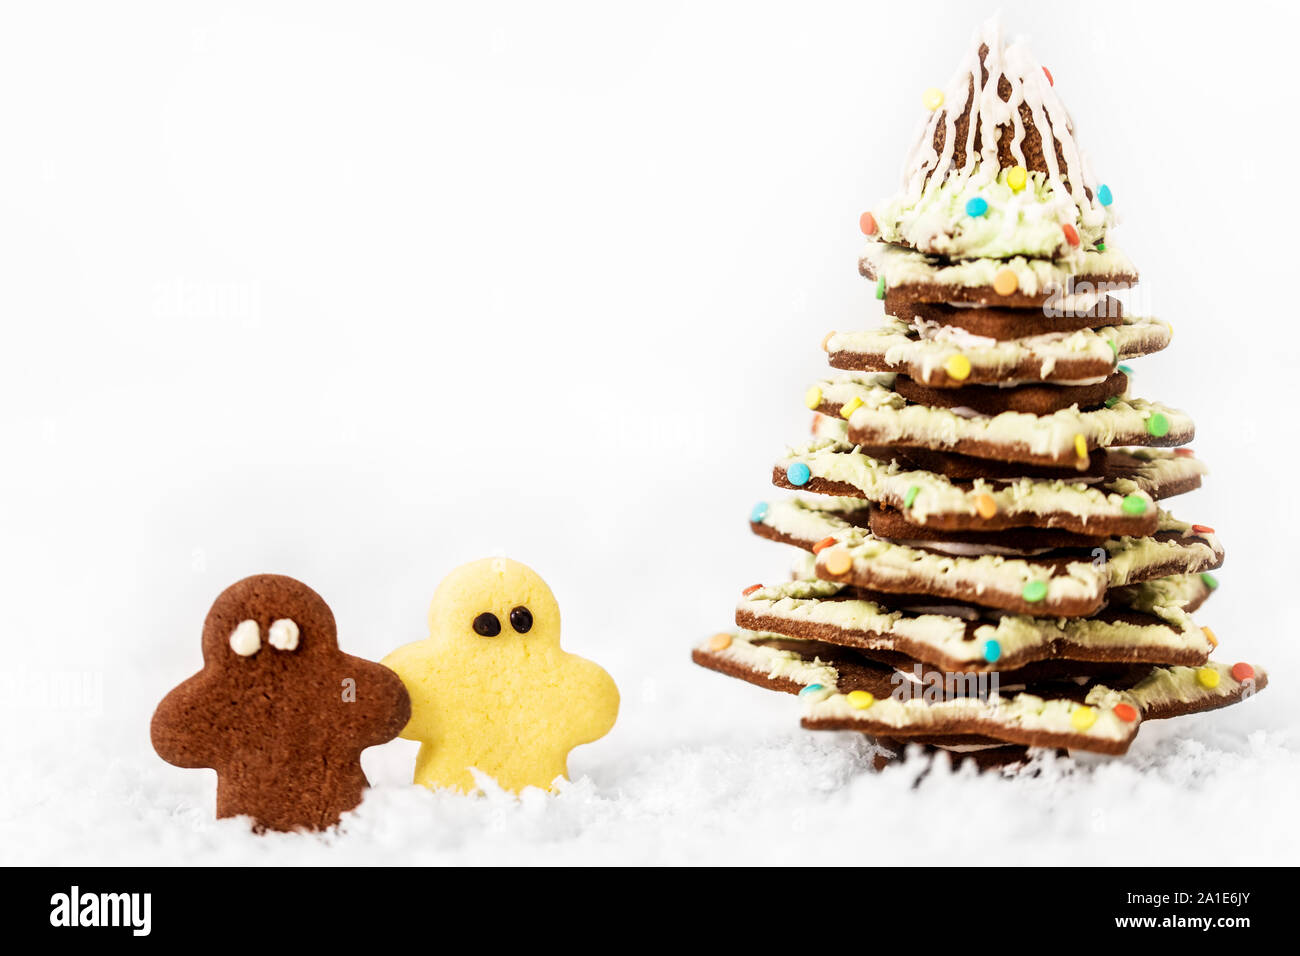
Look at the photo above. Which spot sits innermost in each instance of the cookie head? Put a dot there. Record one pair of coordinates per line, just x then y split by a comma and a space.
495, 602
261, 618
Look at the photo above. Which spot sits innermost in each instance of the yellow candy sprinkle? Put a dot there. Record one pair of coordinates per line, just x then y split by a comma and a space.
932, 98
1207, 677
1210, 636
1171, 329
1016, 178
1083, 717
836, 561
719, 642
957, 367
851, 406
1080, 446
813, 397
861, 699
1005, 282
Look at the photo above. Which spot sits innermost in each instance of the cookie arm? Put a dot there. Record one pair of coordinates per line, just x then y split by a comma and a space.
410, 663
385, 707
595, 705
182, 729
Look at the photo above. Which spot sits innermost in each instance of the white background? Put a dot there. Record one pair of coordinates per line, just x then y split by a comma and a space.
358, 292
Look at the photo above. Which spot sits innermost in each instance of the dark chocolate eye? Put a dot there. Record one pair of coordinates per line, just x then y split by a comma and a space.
521, 619
487, 624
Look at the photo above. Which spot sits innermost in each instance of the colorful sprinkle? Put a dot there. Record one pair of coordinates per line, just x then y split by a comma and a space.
1005, 282
1133, 505
1080, 445
759, 512
1184, 453
1112, 401
1034, 591
813, 397
1127, 370
1071, 234
1083, 717
867, 222
826, 342
977, 207
751, 589
992, 651
1113, 347
910, 498
1101, 247
1017, 176
1202, 529
1210, 636
986, 506
1209, 580
1242, 672
719, 642
1050, 81
836, 561
932, 98
816, 423
822, 545
851, 406
1126, 712
880, 288
1207, 677
1103, 195
957, 367
798, 474
1157, 425
860, 699
811, 689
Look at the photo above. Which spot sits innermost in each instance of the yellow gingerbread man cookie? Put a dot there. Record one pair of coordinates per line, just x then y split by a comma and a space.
490, 687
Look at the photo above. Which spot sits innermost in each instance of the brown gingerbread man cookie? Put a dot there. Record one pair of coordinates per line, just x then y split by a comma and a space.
278, 711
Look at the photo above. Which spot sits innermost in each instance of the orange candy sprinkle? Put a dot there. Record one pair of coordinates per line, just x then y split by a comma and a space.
986, 506
837, 561
1071, 234
751, 589
1241, 671
822, 545
868, 224
719, 642
1210, 636
1050, 81
1202, 529
1005, 282
817, 419
826, 342
1126, 713
1185, 452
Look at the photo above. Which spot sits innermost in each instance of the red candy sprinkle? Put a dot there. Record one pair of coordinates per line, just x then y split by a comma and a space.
1241, 671
751, 589
1050, 81
1126, 713
1071, 234
868, 224
1202, 529
822, 545
1184, 452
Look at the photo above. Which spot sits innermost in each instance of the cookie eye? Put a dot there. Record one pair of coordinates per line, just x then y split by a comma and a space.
521, 619
487, 624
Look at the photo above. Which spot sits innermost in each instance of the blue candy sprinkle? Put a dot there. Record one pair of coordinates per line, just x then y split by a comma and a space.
979, 206
759, 512
1103, 195
992, 651
798, 474
811, 689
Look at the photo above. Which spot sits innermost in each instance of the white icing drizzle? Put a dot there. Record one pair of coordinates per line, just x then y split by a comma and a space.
990, 115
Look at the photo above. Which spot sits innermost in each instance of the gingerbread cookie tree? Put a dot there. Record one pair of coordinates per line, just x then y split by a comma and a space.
988, 563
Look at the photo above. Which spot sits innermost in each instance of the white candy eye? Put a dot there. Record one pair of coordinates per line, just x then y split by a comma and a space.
246, 639
283, 635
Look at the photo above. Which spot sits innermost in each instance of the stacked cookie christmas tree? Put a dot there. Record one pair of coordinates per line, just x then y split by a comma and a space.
988, 562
